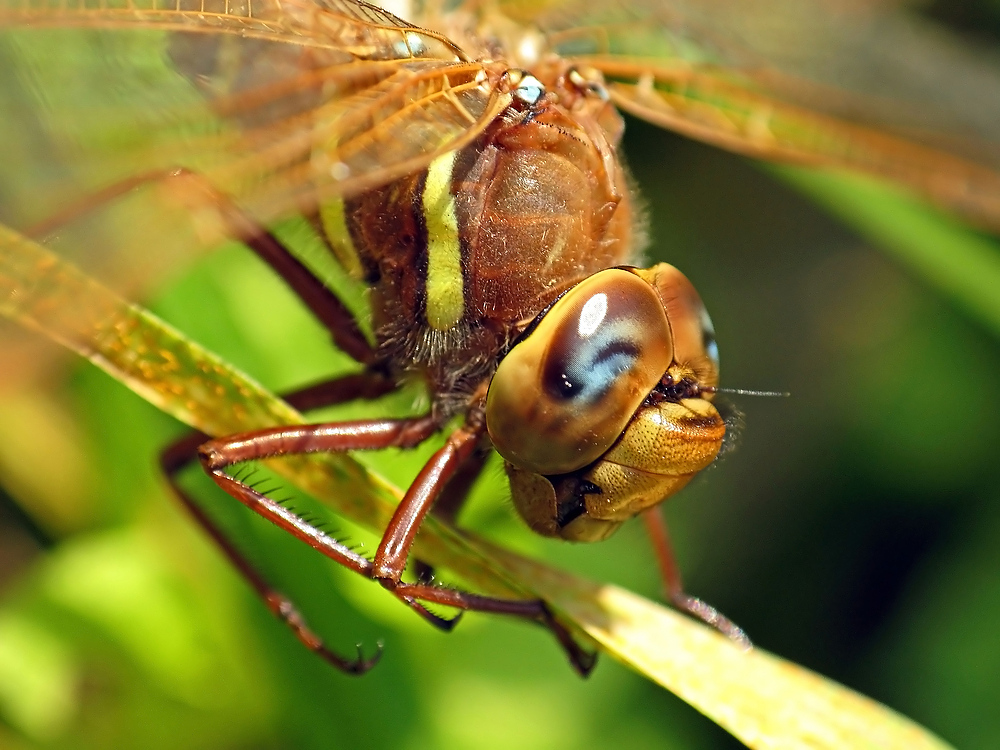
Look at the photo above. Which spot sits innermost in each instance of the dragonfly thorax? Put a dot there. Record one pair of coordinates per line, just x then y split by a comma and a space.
463, 254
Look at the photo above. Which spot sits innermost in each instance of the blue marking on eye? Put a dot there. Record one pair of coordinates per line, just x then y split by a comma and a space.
712, 348
708, 338
593, 366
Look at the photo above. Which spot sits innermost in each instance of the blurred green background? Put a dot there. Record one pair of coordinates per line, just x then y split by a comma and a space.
854, 529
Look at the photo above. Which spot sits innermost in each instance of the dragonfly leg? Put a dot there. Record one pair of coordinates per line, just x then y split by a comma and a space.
366, 385
674, 586
447, 507
536, 610
196, 190
280, 605
394, 550
390, 560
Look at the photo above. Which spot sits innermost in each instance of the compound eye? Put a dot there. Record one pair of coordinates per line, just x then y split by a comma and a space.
708, 340
693, 334
565, 393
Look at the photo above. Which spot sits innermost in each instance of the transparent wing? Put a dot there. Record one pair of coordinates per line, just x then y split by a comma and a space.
843, 83
278, 104
301, 77
710, 108
351, 29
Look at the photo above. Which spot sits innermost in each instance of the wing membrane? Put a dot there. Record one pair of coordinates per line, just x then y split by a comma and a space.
353, 30
278, 104
283, 103
380, 133
262, 65
708, 107
837, 83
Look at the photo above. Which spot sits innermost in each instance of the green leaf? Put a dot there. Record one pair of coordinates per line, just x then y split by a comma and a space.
945, 253
118, 582
764, 701
37, 678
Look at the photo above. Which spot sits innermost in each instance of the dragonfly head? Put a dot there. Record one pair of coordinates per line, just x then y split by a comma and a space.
604, 406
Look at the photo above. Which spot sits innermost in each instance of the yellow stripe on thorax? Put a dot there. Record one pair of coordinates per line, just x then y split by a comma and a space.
331, 216
445, 293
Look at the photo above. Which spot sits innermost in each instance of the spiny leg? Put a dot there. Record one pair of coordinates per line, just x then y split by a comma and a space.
217, 455
390, 560
280, 605
367, 385
669, 570
240, 226
347, 336
325, 306
394, 550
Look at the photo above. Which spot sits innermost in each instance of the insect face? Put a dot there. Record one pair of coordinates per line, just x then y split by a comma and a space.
604, 409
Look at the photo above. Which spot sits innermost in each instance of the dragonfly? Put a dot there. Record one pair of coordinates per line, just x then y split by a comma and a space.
463, 163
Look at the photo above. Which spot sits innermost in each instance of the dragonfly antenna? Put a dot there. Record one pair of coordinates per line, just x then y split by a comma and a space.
746, 392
